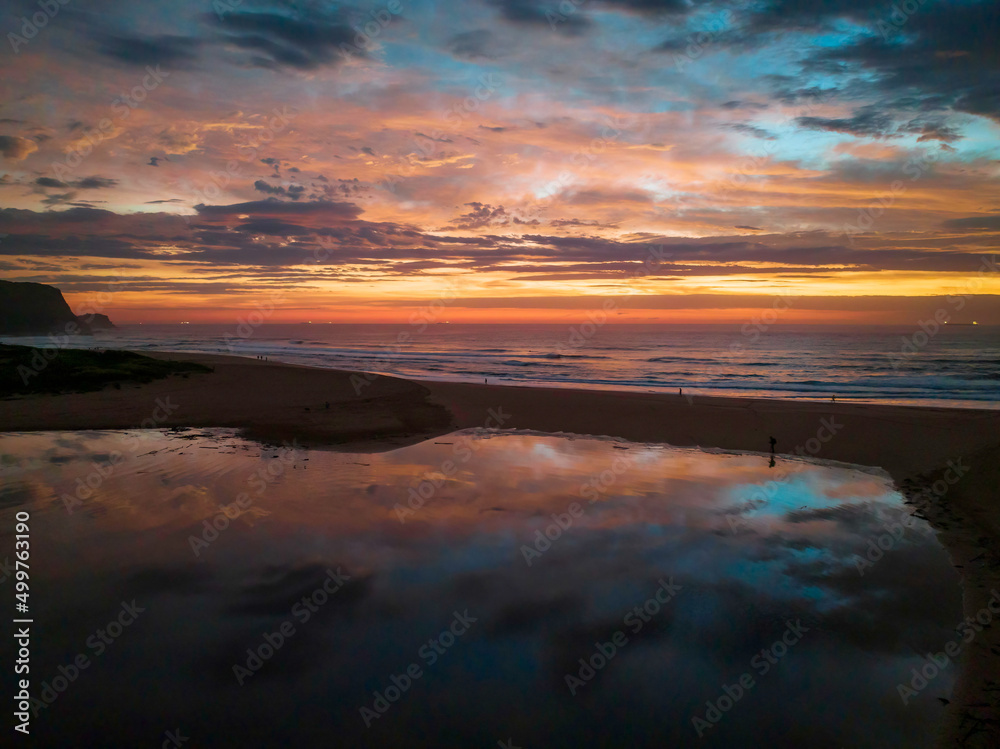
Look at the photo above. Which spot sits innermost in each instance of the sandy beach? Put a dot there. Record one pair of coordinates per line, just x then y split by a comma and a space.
946, 461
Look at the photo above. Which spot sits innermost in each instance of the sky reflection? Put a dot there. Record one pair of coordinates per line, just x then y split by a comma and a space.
751, 547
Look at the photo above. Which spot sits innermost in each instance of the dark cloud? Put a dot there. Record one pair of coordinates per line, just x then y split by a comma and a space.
932, 131
58, 198
487, 215
473, 45
651, 7
234, 235
552, 17
320, 209
43, 245
169, 51
809, 15
304, 42
274, 227
87, 183
95, 183
738, 104
757, 132
809, 95
989, 223
865, 123
422, 135
292, 191
481, 215
16, 148
942, 55
262, 186
49, 182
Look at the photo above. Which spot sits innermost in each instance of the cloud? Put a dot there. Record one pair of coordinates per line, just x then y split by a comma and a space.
87, 183
262, 186
276, 40
757, 132
292, 191
475, 45
58, 198
651, 7
738, 104
944, 55
428, 137
532, 14
560, 222
866, 123
95, 183
319, 209
176, 140
16, 148
483, 215
168, 51
807, 15
241, 234
274, 227
929, 131
973, 223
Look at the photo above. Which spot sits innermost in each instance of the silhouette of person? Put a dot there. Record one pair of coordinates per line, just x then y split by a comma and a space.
773, 443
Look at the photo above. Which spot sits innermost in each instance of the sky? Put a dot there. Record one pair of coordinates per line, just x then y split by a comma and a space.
503, 160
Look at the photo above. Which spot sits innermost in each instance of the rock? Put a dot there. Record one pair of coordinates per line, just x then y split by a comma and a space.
37, 309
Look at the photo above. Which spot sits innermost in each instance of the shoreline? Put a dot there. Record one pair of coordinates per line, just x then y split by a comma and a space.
765, 391
338, 409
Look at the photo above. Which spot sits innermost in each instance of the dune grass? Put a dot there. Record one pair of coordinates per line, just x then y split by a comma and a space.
27, 371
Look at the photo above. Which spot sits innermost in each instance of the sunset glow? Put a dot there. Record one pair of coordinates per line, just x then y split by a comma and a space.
520, 161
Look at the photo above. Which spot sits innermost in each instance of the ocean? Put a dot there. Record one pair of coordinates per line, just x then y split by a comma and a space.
956, 366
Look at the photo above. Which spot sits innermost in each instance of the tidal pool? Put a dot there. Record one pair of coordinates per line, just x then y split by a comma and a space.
531, 590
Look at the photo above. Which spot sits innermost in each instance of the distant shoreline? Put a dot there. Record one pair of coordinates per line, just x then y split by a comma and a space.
358, 412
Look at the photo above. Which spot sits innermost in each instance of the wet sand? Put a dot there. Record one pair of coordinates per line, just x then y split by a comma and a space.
947, 461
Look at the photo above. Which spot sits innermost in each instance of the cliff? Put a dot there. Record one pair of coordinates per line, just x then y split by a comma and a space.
37, 309
97, 322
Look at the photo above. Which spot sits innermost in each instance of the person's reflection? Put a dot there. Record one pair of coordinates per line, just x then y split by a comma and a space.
771, 464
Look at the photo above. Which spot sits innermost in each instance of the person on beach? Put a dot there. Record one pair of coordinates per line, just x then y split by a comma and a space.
773, 443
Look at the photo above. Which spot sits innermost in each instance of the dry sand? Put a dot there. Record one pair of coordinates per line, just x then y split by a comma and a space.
279, 402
